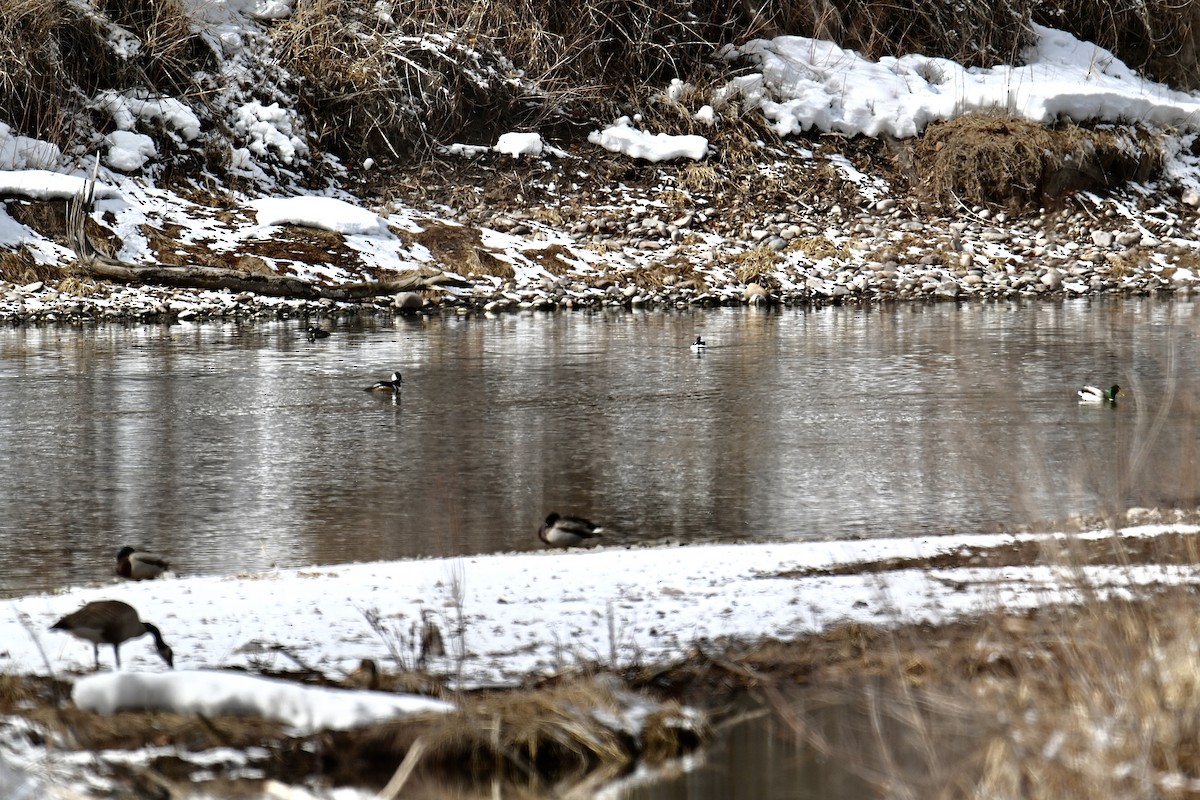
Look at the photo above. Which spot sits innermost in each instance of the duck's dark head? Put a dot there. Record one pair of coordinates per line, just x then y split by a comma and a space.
124, 553
552, 518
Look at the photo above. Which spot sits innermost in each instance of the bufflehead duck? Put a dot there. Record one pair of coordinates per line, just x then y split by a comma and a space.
317, 332
1092, 394
699, 346
111, 622
386, 386
561, 531
137, 565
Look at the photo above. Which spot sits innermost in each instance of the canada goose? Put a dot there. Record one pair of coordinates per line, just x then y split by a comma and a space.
1092, 394
386, 386
432, 645
317, 332
137, 565
559, 531
699, 346
111, 622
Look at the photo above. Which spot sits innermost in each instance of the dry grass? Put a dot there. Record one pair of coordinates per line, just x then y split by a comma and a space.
540, 741
1001, 160
544, 740
461, 249
397, 83
1111, 685
756, 266
1088, 700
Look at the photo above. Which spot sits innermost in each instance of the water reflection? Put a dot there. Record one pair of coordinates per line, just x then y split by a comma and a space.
240, 446
759, 757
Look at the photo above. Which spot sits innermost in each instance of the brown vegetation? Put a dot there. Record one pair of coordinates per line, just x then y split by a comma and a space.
395, 84
998, 159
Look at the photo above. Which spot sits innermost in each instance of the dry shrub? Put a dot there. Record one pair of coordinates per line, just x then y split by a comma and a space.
393, 87
975, 34
57, 56
1001, 160
468, 71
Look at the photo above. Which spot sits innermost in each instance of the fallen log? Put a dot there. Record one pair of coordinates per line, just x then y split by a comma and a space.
93, 263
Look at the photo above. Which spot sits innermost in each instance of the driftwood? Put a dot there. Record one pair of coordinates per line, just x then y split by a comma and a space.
240, 281
98, 265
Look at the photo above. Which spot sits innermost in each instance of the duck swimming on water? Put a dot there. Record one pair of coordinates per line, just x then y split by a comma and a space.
1093, 394
386, 386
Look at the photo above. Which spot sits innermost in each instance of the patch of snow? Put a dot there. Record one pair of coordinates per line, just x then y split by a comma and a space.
130, 108
519, 144
129, 152
465, 150
22, 152
269, 128
326, 213
305, 708
622, 137
41, 184
804, 83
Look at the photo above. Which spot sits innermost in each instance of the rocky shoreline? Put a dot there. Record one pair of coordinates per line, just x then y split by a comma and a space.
621, 241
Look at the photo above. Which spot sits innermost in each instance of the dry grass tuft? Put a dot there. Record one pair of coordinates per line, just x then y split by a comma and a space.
460, 249
756, 266
1001, 160
555, 736
18, 266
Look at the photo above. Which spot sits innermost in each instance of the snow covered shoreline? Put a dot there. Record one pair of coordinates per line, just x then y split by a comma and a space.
511, 616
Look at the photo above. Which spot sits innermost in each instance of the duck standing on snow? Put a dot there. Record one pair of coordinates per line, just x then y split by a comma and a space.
111, 622
365, 677
561, 531
136, 565
386, 386
432, 645
1092, 394
699, 346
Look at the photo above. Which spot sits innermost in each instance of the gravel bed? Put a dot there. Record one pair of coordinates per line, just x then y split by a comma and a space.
882, 252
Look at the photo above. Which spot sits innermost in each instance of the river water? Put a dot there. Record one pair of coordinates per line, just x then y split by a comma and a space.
235, 447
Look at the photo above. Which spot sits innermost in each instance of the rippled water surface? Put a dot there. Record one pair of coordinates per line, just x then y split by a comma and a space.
236, 447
